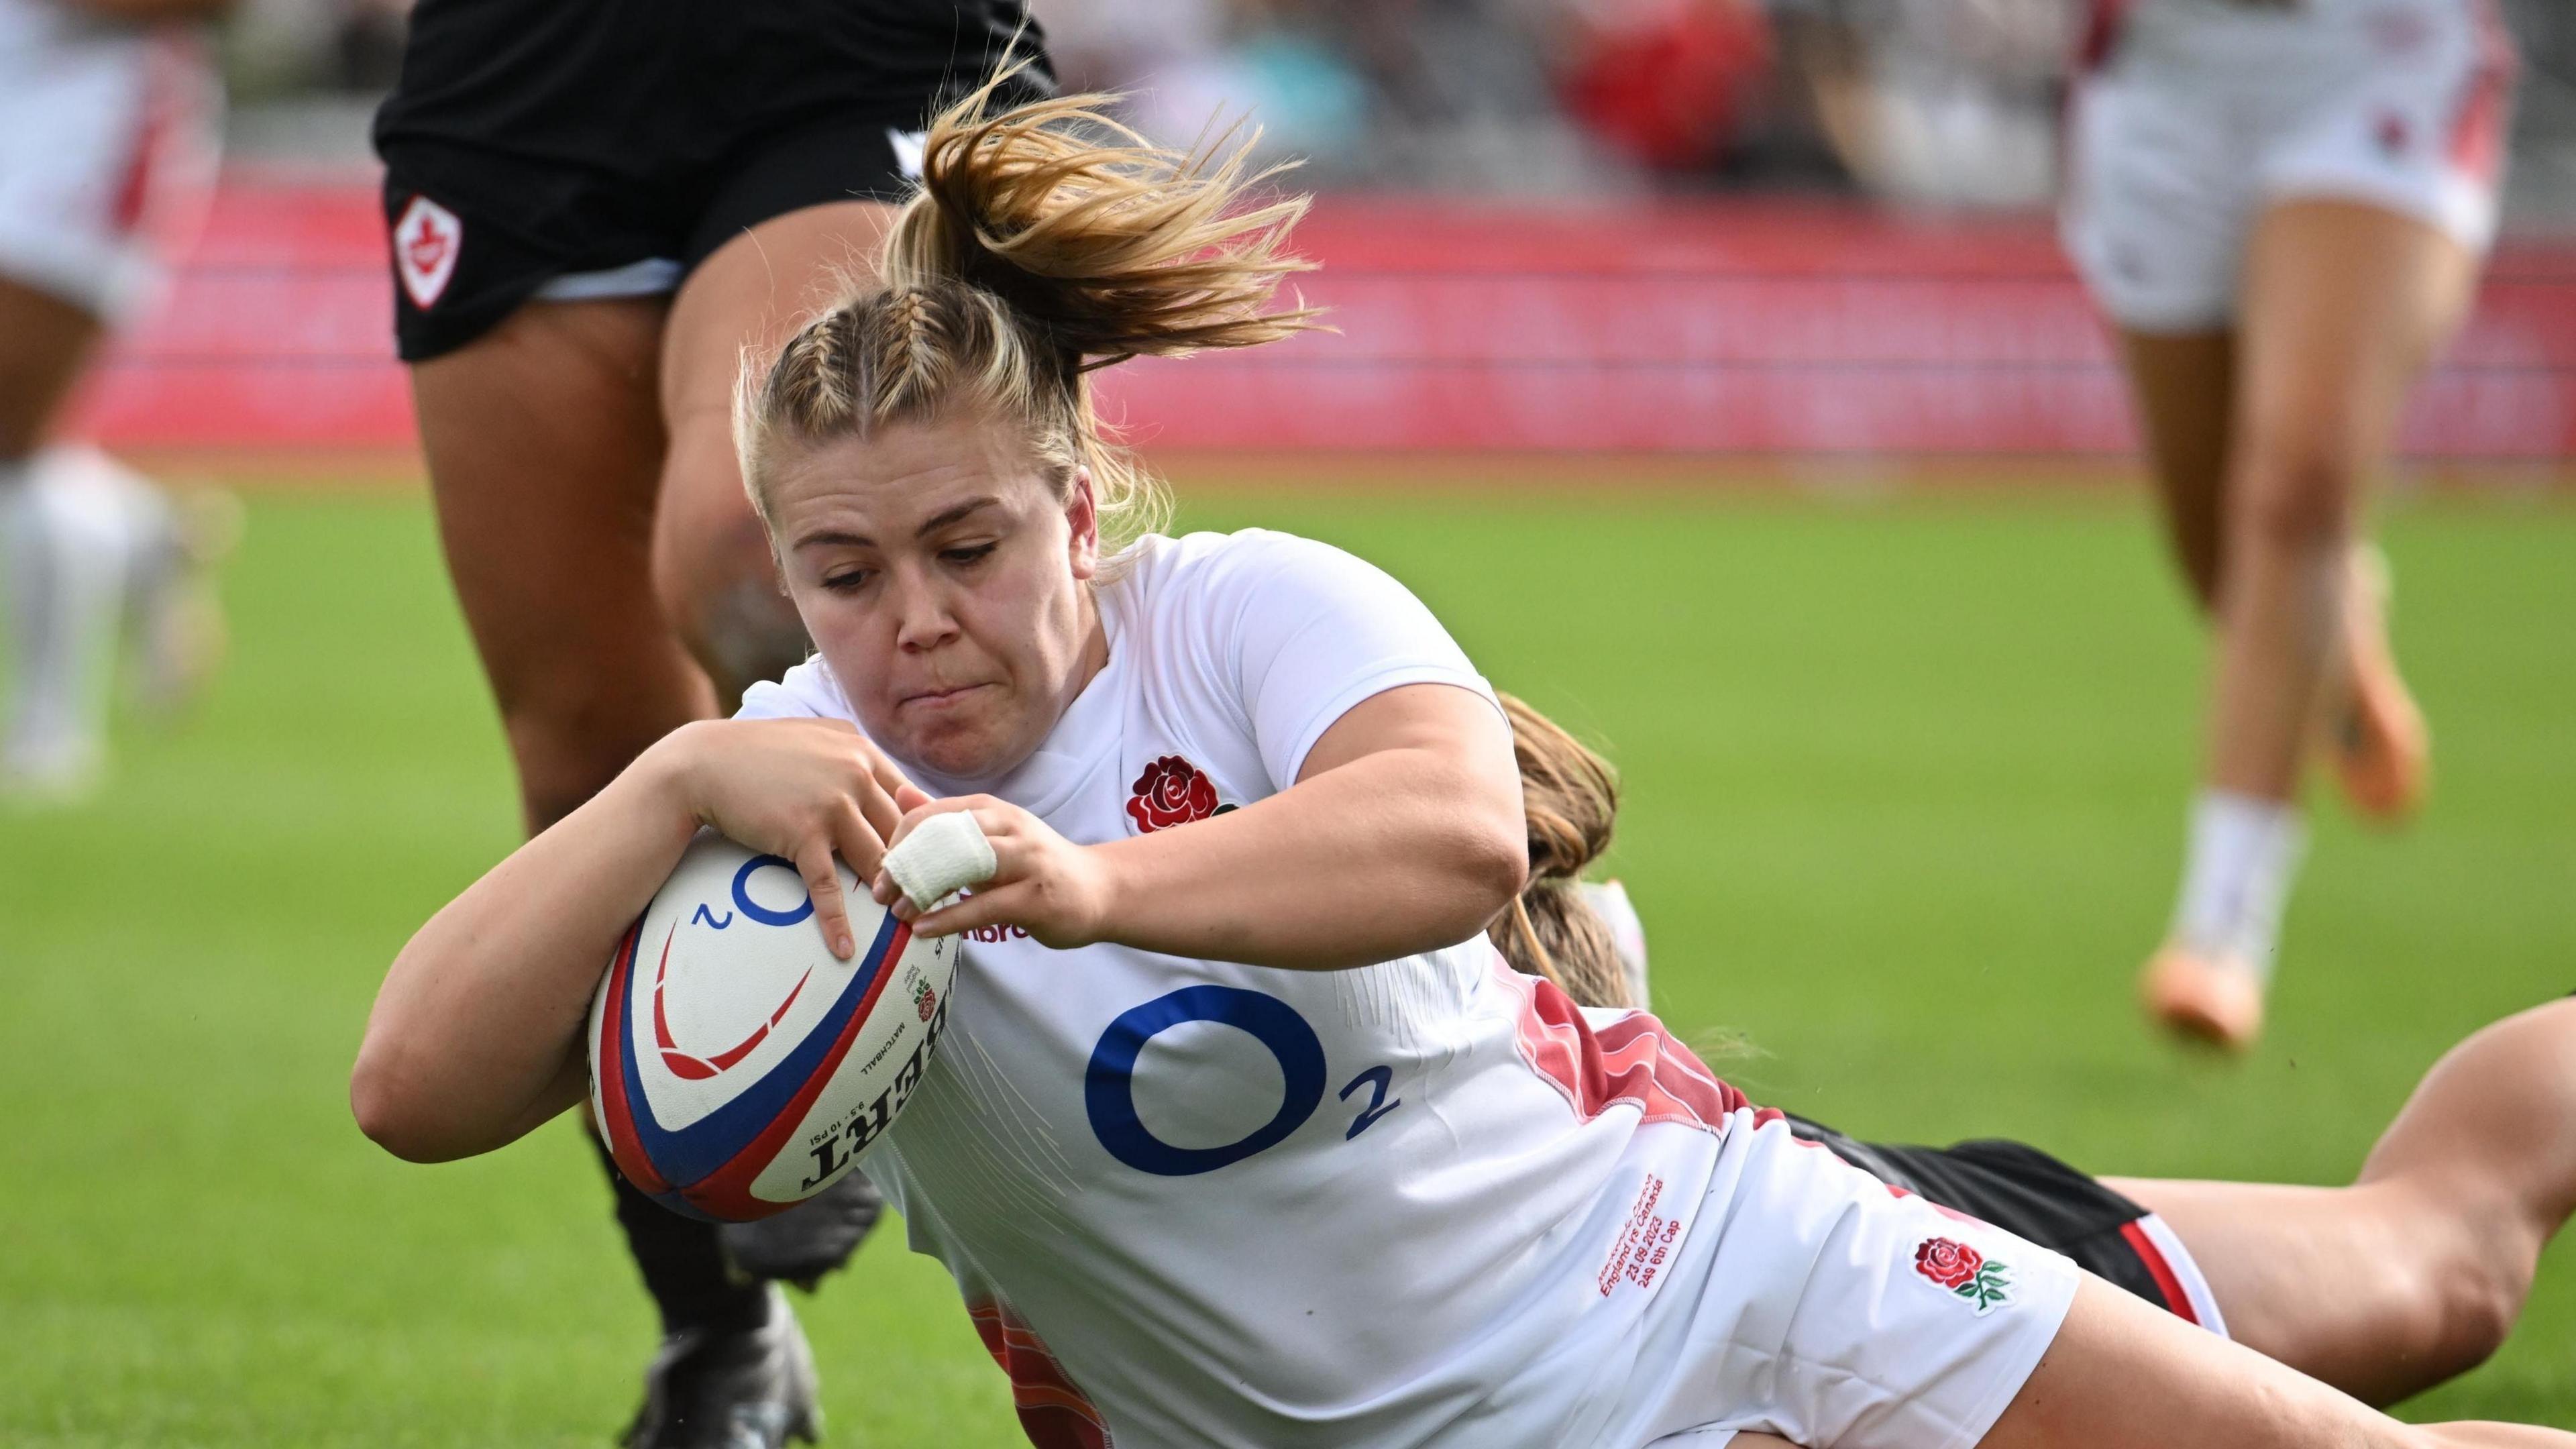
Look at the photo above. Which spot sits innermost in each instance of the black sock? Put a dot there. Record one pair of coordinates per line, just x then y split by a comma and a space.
683, 1263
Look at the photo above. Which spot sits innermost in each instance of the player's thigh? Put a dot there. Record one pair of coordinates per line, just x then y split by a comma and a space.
2123, 1374
2185, 384
545, 443
742, 301
2344, 304
43, 342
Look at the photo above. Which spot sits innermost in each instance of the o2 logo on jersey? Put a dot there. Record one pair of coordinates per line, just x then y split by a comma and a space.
699, 1067
1109, 1083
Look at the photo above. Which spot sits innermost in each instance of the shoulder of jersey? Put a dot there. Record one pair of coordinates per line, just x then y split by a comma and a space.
807, 689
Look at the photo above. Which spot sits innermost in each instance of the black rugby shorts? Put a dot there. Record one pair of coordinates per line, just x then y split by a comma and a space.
533, 140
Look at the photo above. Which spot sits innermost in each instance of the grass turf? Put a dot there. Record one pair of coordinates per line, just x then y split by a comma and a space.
1906, 798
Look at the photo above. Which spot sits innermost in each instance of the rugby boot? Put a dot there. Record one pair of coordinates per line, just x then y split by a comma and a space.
808, 1240
2210, 999
2381, 750
741, 1388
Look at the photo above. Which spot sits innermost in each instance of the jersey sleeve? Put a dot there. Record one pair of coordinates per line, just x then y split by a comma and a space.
1304, 632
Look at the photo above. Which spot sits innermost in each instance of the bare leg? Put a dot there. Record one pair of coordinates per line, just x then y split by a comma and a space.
2344, 304
2126, 1375
2185, 387
711, 563
2123, 1374
44, 342
62, 560
545, 443
2417, 1271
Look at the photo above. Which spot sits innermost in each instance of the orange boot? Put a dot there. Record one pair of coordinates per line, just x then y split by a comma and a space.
2215, 1000
2381, 750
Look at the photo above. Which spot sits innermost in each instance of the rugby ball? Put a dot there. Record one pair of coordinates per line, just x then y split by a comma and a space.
738, 1067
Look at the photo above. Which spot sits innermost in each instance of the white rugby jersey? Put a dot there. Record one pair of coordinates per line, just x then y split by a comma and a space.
1422, 1202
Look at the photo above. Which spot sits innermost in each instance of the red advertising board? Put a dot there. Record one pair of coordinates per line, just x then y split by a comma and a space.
1724, 327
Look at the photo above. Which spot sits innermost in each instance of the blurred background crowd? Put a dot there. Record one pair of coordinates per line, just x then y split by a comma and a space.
1943, 102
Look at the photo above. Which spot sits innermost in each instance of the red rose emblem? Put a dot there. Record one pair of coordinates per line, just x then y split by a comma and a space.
1171, 792
1947, 1263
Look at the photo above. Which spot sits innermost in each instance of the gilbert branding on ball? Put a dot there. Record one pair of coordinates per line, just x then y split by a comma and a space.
737, 1067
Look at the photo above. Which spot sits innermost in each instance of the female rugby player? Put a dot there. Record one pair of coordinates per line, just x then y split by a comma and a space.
595, 208
2282, 205
1412, 1196
108, 114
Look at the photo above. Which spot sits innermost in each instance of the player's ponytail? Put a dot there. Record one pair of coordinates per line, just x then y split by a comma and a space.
1105, 246
1570, 803
1045, 241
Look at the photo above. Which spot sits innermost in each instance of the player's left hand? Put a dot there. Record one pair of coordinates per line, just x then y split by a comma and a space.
1044, 884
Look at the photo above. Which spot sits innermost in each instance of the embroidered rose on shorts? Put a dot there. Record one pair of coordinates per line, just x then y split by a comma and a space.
1966, 1272
1172, 791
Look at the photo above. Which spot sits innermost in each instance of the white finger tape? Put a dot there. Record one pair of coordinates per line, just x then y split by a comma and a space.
942, 856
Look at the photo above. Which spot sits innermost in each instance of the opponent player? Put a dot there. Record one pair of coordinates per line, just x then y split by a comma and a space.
595, 208
1406, 1195
107, 146
2282, 205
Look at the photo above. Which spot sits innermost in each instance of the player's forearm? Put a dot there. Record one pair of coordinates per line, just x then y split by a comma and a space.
468, 1045
1397, 852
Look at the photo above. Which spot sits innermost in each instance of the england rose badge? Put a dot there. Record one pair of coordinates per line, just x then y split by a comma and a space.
1966, 1272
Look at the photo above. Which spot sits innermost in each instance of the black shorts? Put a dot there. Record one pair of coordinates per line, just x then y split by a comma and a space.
2029, 1194
532, 140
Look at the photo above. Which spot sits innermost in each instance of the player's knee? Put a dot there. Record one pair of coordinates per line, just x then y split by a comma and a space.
718, 586
2296, 491
2465, 1301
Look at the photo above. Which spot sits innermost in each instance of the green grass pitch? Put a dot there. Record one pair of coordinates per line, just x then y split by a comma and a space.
1907, 784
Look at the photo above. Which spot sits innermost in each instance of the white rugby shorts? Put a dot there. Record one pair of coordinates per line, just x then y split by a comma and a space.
1813, 1302
107, 154
2199, 113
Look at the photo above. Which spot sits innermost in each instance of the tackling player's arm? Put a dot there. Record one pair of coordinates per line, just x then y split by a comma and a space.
1404, 823
475, 1036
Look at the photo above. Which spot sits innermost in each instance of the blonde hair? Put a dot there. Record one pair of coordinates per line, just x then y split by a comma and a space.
1044, 242
1570, 804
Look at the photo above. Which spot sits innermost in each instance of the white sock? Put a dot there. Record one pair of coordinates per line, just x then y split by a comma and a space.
66, 540
2244, 853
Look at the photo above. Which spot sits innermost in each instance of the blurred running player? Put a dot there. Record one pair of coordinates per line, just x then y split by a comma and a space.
2282, 204
108, 113
1406, 1196
594, 209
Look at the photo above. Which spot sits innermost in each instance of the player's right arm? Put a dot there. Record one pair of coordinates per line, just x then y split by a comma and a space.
474, 1039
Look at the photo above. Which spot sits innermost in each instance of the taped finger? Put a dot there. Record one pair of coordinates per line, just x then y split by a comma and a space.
943, 855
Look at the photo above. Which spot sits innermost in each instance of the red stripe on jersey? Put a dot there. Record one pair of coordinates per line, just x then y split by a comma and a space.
1632, 1060
2478, 121
145, 151
2160, 1270
1053, 1412
2101, 34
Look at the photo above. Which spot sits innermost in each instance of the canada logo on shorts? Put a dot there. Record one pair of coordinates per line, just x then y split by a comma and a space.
1966, 1272
427, 238
1172, 791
